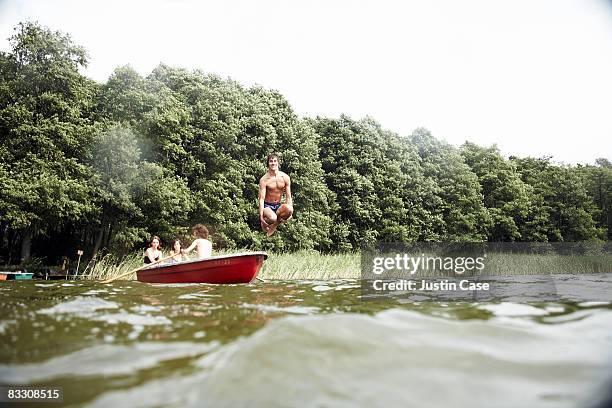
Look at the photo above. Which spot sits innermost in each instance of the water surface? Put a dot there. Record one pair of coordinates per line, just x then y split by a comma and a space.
304, 343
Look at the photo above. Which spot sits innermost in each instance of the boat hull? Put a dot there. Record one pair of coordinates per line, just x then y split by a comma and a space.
237, 268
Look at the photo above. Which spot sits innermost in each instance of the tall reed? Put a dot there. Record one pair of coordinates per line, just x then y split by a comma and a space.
313, 265
110, 266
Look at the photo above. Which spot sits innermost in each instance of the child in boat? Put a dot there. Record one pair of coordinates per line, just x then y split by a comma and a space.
201, 242
176, 252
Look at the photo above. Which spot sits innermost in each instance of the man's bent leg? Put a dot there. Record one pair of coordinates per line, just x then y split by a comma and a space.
284, 213
270, 218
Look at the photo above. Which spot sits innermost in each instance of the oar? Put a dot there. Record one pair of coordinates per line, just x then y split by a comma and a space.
136, 270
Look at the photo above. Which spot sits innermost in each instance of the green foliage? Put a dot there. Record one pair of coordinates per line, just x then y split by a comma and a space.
215, 135
598, 183
107, 165
454, 199
566, 212
44, 133
135, 196
379, 189
506, 197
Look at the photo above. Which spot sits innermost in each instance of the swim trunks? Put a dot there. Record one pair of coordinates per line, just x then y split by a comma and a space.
272, 206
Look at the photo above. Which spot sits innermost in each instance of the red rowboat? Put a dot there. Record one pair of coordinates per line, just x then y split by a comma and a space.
235, 268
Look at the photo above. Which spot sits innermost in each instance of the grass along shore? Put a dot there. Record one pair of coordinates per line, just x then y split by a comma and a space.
306, 265
296, 265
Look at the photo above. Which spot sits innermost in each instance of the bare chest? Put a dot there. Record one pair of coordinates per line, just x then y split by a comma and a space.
275, 183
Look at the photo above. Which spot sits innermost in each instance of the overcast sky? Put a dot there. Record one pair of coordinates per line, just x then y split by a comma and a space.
532, 76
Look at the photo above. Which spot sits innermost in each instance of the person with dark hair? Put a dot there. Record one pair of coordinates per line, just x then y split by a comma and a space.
176, 252
201, 243
153, 252
271, 188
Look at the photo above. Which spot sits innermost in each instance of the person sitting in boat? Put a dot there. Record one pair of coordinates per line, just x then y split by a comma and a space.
201, 243
271, 188
153, 252
176, 252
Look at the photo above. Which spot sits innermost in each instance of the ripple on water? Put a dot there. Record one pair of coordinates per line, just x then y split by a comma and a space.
194, 296
347, 286
95, 292
283, 309
80, 306
513, 309
395, 358
93, 308
554, 308
5, 324
593, 303
102, 360
145, 308
133, 319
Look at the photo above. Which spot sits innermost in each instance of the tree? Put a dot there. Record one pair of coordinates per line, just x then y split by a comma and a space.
377, 183
455, 201
215, 134
44, 133
136, 197
598, 183
561, 195
107, 165
506, 197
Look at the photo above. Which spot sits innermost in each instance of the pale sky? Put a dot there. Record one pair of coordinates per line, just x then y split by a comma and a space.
532, 76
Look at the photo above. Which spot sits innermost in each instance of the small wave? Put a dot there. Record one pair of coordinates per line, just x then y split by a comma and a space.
95, 292
593, 303
92, 307
146, 308
347, 286
133, 319
513, 309
102, 360
286, 309
552, 308
395, 358
403, 358
80, 305
4, 324
195, 296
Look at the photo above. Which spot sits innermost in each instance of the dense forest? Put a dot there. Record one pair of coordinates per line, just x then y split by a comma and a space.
101, 167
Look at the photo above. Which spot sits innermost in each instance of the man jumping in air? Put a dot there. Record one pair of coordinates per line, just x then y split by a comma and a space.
271, 187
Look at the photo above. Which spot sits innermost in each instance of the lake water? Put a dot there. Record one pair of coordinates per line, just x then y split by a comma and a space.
305, 343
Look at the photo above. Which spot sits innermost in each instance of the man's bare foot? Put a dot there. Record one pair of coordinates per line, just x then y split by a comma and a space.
271, 229
283, 220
